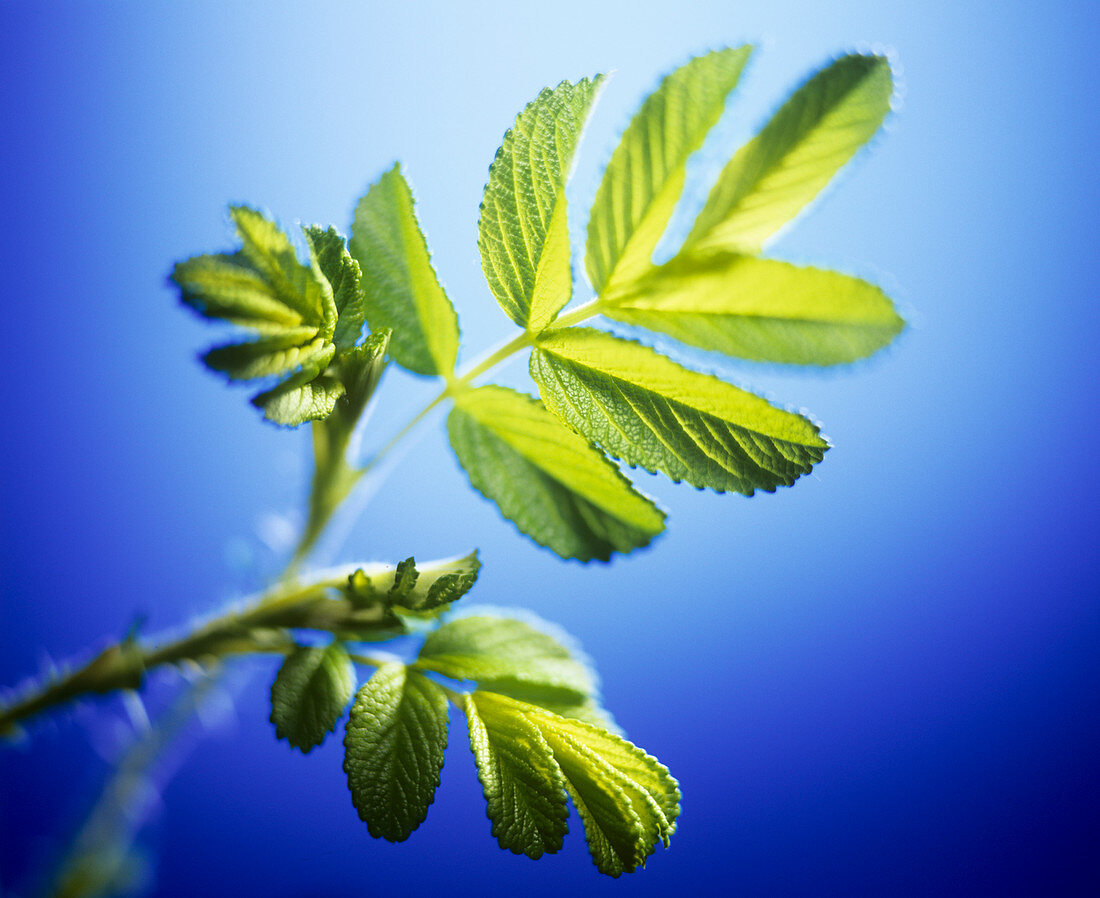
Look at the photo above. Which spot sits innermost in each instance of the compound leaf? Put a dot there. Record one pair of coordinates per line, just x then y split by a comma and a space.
330, 256
645, 409
546, 479
522, 233
644, 179
400, 285
396, 735
760, 309
808, 140
265, 288
523, 785
310, 693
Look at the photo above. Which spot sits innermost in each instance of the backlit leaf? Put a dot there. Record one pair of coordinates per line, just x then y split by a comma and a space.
396, 734
550, 482
808, 140
341, 272
644, 179
760, 309
523, 785
648, 411
400, 285
522, 234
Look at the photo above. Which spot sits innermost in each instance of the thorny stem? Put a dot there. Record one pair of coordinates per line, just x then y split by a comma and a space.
257, 628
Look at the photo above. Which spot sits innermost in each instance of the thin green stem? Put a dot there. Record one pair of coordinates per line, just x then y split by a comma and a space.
482, 366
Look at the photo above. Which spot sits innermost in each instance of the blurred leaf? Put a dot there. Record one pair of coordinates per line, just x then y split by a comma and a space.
808, 140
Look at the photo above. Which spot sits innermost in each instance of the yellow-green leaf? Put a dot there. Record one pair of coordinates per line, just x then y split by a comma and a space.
546, 479
808, 140
644, 179
523, 785
401, 289
647, 410
760, 309
522, 234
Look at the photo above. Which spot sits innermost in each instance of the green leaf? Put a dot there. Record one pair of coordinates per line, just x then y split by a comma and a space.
547, 480
760, 309
265, 288
405, 576
305, 396
396, 734
334, 263
435, 585
268, 356
522, 234
627, 800
269, 251
508, 656
225, 286
309, 694
523, 785
361, 368
808, 140
644, 179
401, 288
646, 410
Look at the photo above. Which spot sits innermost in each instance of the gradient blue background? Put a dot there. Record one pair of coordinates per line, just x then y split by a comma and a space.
883, 682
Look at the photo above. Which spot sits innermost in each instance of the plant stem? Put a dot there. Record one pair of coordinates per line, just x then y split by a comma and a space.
482, 366
260, 626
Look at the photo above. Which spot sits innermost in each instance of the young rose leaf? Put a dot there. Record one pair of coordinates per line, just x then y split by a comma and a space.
644, 179
645, 409
546, 479
760, 309
400, 285
806, 142
508, 656
436, 584
522, 233
309, 694
265, 288
268, 356
361, 368
405, 576
270, 252
306, 396
523, 785
396, 735
225, 286
340, 271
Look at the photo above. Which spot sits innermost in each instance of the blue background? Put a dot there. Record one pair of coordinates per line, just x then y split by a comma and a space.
884, 681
